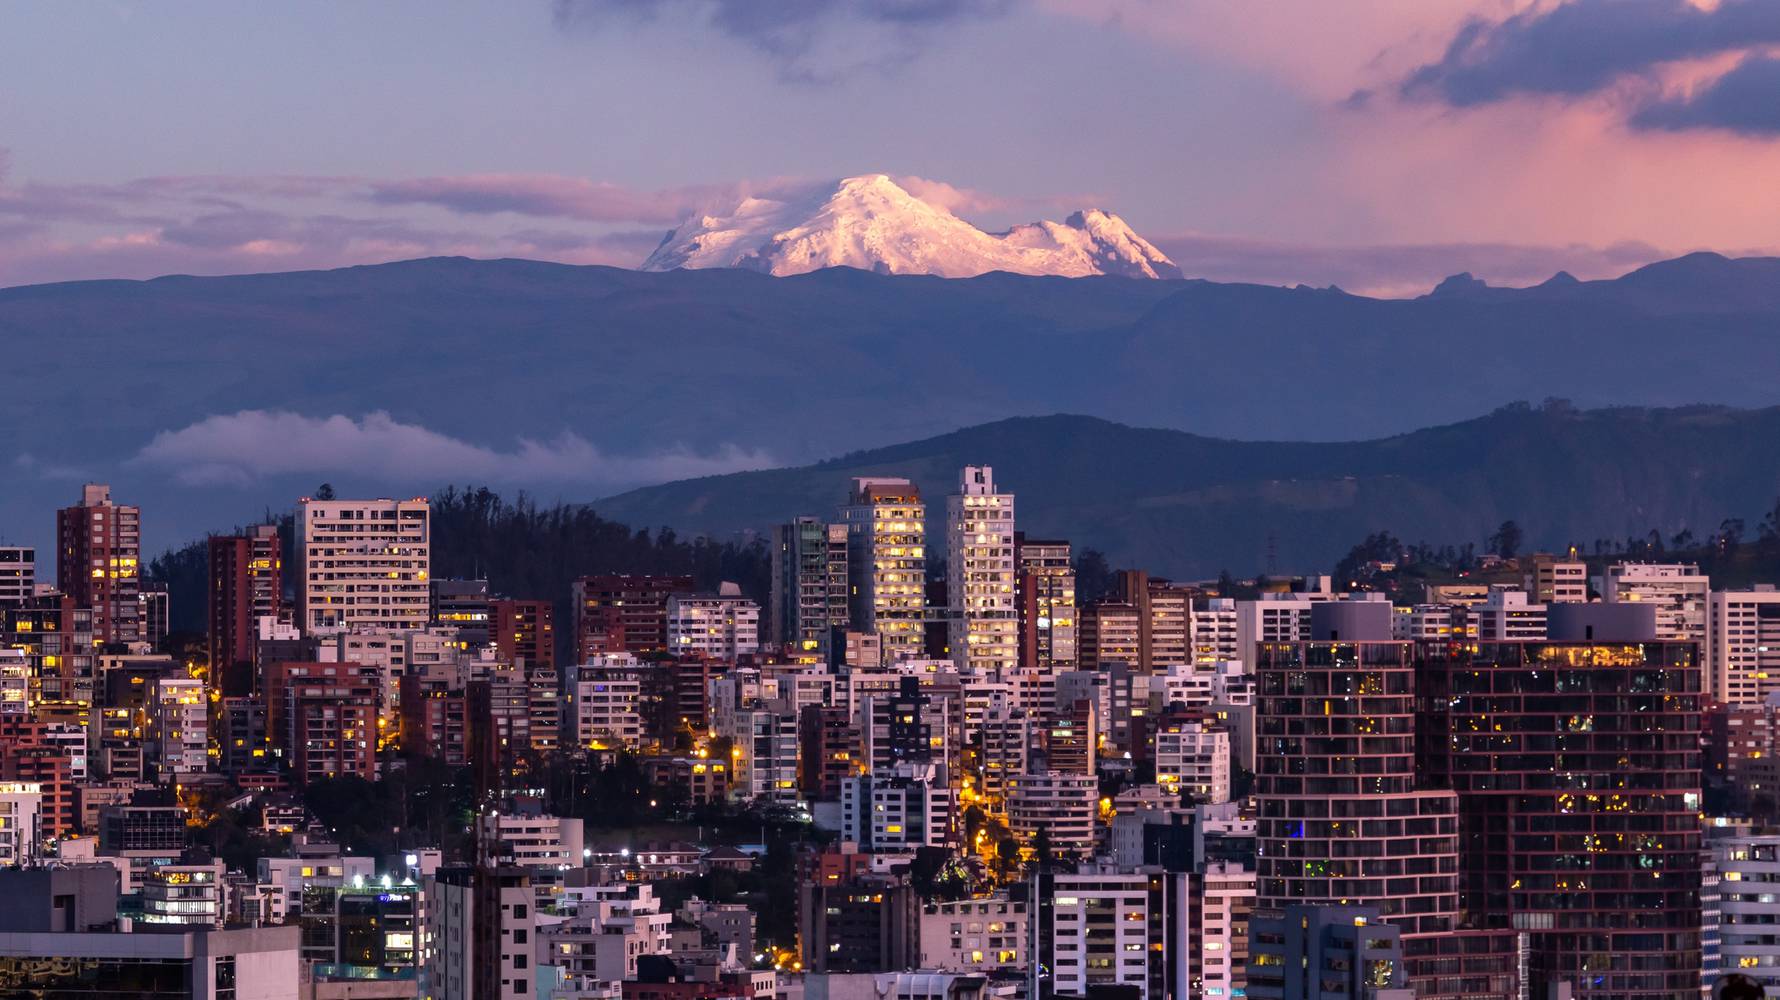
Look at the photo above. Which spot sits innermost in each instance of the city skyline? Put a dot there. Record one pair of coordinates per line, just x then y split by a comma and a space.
890, 500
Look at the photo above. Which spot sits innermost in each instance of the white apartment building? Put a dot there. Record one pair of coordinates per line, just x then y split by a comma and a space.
1102, 921
1274, 618
611, 927
460, 965
15, 684
887, 562
1508, 616
763, 750
981, 575
1064, 804
975, 935
282, 879
18, 574
1679, 591
181, 718
911, 806
1007, 735
1225, 895
1193, 760
1212, 632
184, 895
1749, 907
71, 739
719, 626
1743, 645
21, 824
536, 841
604, 706
362, 562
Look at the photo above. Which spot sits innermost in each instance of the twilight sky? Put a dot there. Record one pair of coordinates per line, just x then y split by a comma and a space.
1377, 144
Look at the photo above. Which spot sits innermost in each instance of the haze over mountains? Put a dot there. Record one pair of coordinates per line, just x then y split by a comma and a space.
579, 382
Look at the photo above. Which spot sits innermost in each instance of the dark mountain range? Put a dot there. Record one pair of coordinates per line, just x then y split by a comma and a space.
1183, 504
803, 367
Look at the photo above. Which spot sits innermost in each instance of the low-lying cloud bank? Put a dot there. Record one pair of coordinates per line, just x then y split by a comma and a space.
239, 449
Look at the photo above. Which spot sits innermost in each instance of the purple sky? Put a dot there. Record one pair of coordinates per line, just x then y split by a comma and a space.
1377, 145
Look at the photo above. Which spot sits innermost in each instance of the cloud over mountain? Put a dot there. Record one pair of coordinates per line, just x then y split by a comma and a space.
238, 449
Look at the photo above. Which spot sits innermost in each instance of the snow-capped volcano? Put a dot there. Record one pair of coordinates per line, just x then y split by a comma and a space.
872, 223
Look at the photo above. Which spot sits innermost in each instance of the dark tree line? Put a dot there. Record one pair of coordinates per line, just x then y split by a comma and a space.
1713, 551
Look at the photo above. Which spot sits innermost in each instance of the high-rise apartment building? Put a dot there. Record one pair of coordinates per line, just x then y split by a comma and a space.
333, 729
622, 613
809, 586
1743, 645
1047, 612
720, 626
1342, 819
1062, 805
154, 612
57, 636
180, 714
1748, 869
1679, 591
887, 563
523, 631
481, 933
98, 551
246, 584
524, 634
362, 563
1576, 766
1163, 613
18, 574
1112, 632
1211, 631
981, 574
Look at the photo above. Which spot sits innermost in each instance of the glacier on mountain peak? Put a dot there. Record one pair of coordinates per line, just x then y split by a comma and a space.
871, 222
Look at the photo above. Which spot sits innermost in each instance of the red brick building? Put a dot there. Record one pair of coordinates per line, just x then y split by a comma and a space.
98, 549
622, 613
246, 582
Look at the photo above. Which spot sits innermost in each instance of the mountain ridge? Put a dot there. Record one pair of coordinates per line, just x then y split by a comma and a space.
1192, 505
818, 364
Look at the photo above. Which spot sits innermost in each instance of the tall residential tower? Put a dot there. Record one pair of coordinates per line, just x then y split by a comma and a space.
887, 562
98, 549
981, 575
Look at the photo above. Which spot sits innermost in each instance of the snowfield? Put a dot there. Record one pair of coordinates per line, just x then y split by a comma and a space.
872, 223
